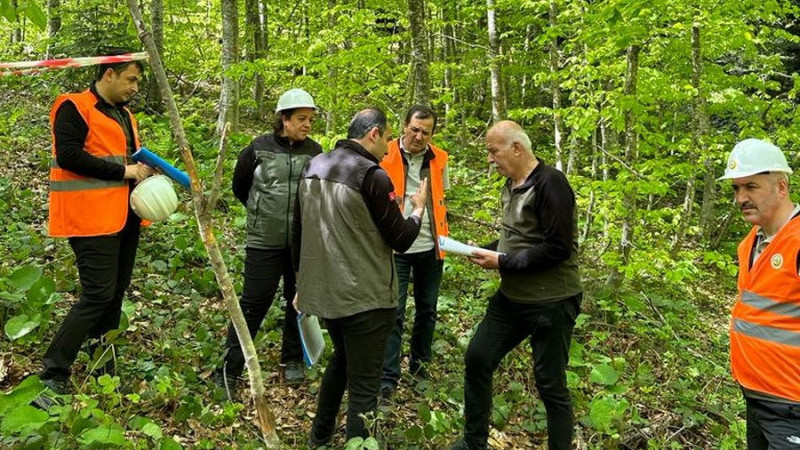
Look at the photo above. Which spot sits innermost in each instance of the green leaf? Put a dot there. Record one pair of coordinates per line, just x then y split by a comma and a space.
19, 326
414, 434
23, 419
170, 444
36, 15
604, 374
109, 434
41, 292
24, 277
7, 10
152, 430
27, 390
354, 444
371, 444
14, 297
601, 412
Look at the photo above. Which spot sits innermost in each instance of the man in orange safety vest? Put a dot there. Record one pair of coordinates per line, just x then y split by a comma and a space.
765, 323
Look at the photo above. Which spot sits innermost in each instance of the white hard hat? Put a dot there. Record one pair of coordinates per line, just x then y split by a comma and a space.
154, 199
295, 98
753, 156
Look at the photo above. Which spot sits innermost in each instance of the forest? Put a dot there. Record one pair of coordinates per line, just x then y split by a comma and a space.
637, 102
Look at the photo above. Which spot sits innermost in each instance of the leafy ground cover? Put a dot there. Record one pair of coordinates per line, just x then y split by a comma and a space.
648, 363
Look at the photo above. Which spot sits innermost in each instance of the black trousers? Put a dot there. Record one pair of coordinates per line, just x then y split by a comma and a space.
263, 270
426, 269
772, 425
548, 327
105, 265
359, 343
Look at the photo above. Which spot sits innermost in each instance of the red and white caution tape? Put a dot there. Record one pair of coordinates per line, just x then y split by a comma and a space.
30, 67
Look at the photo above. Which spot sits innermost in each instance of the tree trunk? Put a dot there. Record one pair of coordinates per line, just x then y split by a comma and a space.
526, 48
698, 131
53, 23
707, 209
333, 73
631, 157
555, 88
589, 219
16, 31
203, 208
498, 108
154, 100
604, 146
421, 84
700, 119
256, 50
229, 94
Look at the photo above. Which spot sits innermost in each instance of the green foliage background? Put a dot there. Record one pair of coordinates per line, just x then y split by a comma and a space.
649, 359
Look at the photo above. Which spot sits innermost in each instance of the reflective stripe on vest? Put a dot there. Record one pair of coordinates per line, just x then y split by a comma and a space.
393, 165
767, 304
767, 333
765, 324
83, 206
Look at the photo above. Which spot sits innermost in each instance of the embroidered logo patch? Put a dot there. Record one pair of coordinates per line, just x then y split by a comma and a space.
732, 165
392, 196
777, 261
793, 439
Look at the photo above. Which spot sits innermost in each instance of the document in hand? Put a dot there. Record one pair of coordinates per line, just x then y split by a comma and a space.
311, 338
459, 248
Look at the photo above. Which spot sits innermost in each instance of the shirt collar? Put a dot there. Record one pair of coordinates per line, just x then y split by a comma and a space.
762, 237
428, 153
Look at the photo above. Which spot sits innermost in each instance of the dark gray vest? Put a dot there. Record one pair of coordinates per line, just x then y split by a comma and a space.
270, 203
345, 265
519, 231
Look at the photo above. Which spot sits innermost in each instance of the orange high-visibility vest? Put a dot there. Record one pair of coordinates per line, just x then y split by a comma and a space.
393, 165
765, 327
83, 206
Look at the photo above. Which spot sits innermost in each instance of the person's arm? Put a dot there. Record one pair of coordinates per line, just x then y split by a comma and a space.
243, 173
70, 131
555, 206
378, 193
297, 223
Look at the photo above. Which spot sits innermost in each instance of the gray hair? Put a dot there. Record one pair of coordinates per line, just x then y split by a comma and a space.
512, 132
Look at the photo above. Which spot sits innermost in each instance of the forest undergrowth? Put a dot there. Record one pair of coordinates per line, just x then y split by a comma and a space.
648, 366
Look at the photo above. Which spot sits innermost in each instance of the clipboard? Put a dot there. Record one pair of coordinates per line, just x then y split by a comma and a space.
311, 338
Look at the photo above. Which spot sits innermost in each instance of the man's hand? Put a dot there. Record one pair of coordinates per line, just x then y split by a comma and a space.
137, 172
487, 259
420, 198
294, 302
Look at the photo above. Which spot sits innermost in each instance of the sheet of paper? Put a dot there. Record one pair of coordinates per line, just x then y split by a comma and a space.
459, 248
310, 337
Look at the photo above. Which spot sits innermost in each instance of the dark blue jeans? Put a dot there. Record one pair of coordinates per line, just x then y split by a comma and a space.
359, 342
105, 265
426, 270
263, 270
772, 425
548, 326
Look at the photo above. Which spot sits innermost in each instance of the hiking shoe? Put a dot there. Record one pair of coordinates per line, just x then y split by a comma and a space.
227, 383
387, 391
293, 373
53, 388
419, 371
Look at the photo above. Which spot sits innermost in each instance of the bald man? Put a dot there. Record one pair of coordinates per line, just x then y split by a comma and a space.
540, 288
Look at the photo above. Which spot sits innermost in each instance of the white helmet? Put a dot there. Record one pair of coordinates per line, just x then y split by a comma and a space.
295, 98
753, 156
154, 198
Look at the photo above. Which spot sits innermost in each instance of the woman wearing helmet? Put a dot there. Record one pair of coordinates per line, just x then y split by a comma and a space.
265, 181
